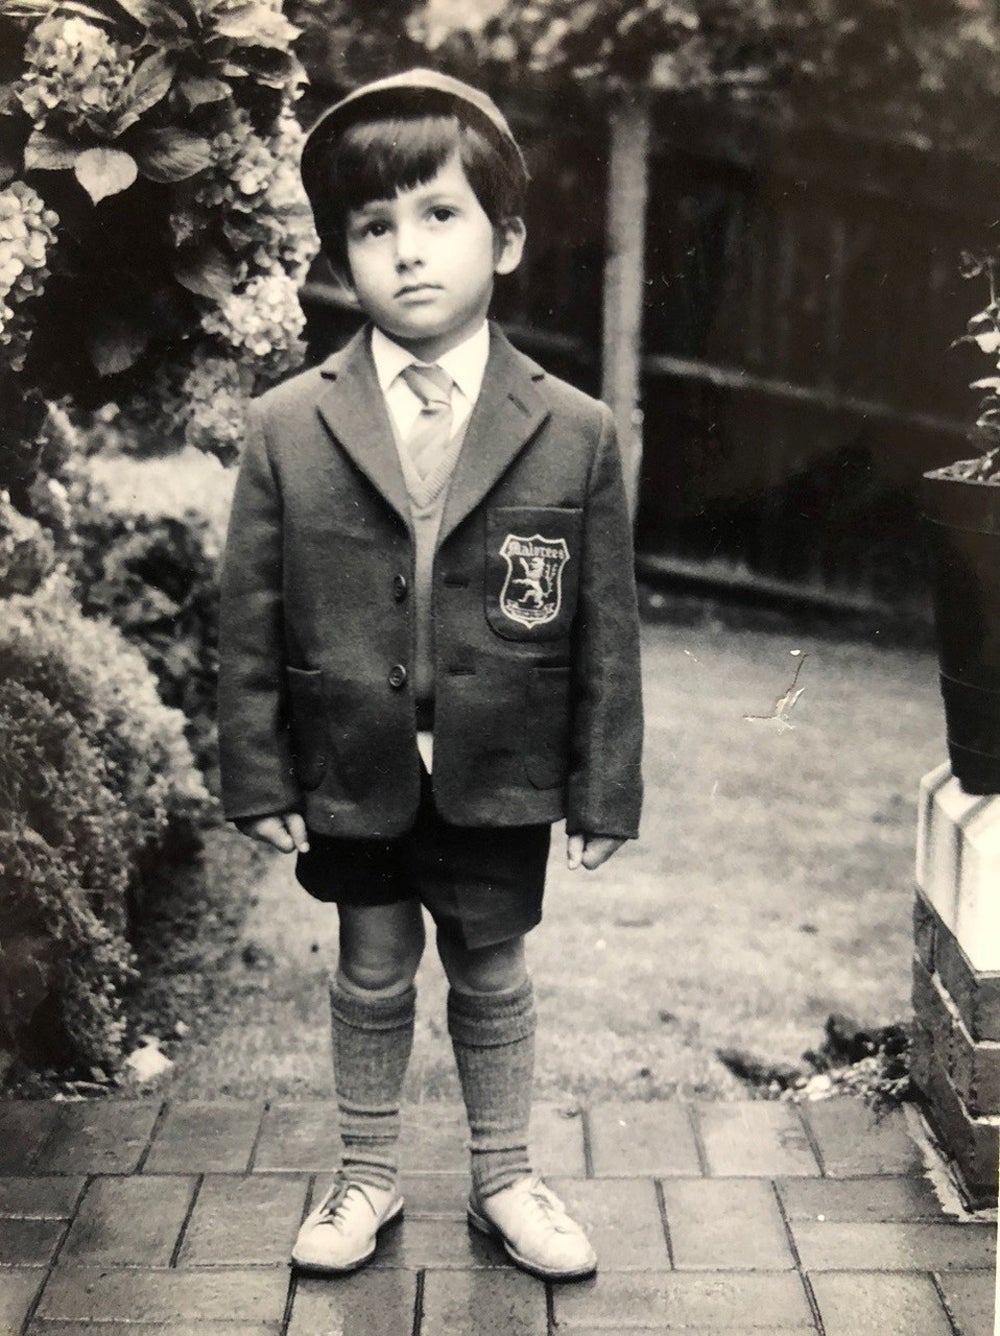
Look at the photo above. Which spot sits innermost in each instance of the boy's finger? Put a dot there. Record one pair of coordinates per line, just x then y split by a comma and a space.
574, 851
272, 831
599, 850
297, 830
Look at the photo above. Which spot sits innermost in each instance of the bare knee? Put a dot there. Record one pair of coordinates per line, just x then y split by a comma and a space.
380, 951
499, 968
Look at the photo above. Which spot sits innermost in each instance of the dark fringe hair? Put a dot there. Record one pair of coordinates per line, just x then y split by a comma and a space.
374, 160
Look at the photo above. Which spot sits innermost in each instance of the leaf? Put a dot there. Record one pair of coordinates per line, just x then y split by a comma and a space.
35, 10
26, 9
257, 25
150, 84
49, 153
208, 274
187, 12
200, 92
171, 154
988, 340
265, 66
116, 346
91, 13
105, 171
152, 14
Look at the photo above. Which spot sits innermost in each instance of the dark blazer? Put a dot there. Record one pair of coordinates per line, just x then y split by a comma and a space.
538, 712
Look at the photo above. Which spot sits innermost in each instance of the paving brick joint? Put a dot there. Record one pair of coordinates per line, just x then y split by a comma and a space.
742, 1219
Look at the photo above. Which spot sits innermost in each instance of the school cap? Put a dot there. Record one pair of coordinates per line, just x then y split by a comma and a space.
416, 92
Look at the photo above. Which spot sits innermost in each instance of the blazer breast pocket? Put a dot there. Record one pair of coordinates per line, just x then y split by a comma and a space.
307, 723
532, 570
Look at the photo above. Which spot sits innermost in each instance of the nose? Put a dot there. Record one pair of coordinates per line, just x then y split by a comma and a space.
407, 246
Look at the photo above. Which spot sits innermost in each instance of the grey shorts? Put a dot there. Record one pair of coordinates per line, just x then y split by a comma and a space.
482, 884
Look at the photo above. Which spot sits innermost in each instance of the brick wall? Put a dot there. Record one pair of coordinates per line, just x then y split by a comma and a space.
956, 977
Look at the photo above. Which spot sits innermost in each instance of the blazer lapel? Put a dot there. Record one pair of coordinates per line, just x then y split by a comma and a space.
507, 414
353, 408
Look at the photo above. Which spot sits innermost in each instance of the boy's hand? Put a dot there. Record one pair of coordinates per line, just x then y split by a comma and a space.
286, 831
590, 850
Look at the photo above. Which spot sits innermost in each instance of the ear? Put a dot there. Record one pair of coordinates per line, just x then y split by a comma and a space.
510, 235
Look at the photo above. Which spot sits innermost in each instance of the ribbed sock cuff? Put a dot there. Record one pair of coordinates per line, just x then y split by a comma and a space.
372, 1013
491, 1020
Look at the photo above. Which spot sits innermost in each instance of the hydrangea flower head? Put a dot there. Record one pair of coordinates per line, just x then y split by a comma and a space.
75, 76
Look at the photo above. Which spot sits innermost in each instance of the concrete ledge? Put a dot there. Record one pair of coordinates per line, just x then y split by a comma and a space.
958, 864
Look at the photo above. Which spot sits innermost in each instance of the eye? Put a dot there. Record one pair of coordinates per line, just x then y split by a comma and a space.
442, 212
364, 228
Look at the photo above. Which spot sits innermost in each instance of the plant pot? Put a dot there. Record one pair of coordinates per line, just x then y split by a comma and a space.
964, 529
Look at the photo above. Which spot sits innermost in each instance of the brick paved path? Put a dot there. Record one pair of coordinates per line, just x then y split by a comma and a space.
714, 1220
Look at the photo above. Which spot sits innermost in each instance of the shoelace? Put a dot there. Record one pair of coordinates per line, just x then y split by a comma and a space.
549, 1205
336, 1204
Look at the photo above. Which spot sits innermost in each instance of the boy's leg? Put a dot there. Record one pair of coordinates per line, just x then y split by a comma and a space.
371, 1009
372, 1000
491, 1018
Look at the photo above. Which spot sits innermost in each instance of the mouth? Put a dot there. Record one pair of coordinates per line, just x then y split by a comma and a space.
418, 289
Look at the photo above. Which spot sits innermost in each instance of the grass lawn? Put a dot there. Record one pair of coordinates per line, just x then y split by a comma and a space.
772, 885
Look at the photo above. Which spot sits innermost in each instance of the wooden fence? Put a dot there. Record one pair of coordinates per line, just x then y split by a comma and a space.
800, 293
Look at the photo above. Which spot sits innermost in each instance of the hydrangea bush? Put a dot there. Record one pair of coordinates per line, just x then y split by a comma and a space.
155, 578
97, 784
27, 233
153, 237
153, 230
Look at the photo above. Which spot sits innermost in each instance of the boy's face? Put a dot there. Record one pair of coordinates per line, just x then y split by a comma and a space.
422, 263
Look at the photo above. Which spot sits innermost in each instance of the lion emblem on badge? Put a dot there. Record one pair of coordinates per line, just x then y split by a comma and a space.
532, 590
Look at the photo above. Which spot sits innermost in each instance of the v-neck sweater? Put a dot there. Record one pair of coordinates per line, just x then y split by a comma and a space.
426, 519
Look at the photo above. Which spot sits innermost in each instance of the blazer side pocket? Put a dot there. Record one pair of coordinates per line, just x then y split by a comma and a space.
307, 721
547, 724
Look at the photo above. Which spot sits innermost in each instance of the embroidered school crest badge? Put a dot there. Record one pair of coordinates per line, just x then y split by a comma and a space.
532, 590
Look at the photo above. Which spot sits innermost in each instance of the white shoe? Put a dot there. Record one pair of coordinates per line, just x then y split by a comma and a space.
339, 1235
535, 1230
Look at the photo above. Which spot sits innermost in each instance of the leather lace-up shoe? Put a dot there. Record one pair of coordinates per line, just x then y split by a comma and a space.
531, 1222
339, 1235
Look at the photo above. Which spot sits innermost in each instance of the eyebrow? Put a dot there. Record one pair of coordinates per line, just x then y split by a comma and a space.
372, 206
439, 195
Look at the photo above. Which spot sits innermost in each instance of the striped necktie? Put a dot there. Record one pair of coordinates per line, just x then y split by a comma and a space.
429, 439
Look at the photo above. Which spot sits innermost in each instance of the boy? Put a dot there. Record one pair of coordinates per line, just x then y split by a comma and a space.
429, 646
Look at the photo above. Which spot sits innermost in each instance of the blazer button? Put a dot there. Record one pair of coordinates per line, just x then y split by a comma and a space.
399, 588
397, 676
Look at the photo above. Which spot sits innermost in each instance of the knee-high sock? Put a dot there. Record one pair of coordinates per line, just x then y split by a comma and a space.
493, 1035
372, 1039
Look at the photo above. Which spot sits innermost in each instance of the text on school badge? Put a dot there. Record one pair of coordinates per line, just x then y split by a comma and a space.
532, 589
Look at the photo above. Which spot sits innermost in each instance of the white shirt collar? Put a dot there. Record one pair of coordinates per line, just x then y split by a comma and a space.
466, 363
